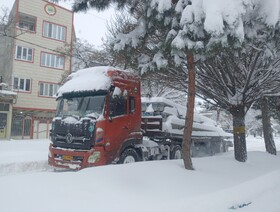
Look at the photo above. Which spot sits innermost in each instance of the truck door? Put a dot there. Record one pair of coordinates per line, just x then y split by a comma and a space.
118, 127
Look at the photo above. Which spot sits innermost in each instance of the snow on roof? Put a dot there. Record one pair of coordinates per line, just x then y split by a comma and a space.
4, 92
89, 79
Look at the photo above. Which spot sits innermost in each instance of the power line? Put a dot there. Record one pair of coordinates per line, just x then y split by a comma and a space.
38, 45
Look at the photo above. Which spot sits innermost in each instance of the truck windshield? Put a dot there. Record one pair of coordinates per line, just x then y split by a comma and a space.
89, 106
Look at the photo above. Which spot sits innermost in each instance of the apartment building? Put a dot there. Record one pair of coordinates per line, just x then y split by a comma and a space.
31, 64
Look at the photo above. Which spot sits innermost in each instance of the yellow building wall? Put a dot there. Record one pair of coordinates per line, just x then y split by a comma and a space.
40, 44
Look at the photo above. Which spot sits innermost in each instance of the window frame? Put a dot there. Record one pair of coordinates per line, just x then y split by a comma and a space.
46, 89
24, 23
51, 59
26, 26
22, 53
54, 31
118, 105
131, 104
24, 88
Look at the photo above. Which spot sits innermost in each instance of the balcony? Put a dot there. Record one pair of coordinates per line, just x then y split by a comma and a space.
27, 22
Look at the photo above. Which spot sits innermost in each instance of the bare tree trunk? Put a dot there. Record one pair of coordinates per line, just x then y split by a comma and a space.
267, 130
240, 150
187, 138
218, 115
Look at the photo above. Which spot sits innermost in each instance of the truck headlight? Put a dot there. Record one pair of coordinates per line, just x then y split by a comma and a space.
95, 157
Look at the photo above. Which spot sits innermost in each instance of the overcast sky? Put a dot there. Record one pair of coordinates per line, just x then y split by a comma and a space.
90, 26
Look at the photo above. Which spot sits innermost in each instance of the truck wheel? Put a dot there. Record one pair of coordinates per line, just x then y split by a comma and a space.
176, 152
128, 156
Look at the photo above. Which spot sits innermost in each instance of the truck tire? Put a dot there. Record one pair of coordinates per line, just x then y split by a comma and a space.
176, 152
128, 156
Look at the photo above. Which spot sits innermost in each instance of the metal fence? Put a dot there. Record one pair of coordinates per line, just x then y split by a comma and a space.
28, 127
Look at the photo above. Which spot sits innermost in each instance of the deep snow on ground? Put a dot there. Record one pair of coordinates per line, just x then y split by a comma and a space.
219, 183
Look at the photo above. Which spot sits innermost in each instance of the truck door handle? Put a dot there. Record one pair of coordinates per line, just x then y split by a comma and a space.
125, 127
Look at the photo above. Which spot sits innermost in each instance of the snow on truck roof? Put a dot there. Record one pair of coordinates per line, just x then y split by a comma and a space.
90, 79
85, 80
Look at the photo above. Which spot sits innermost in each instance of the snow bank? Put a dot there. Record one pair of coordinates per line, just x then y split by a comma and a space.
17, 156
22, 151
218, 184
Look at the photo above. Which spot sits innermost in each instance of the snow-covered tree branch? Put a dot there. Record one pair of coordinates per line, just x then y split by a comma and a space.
236, 45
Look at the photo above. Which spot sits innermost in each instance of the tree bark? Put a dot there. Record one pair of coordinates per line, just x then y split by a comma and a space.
240, 151
267, 130
187, 138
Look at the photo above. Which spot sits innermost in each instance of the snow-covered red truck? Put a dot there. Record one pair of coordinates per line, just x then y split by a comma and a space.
98, 121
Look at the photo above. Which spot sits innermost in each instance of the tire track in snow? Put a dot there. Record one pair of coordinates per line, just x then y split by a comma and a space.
24, 167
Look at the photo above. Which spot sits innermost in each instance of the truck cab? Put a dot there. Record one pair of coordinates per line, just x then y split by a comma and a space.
98, 117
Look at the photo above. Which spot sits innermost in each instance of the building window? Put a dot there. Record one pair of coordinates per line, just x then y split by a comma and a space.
26, 25
54, 31
22, 84
52, 60
24, 53
48, 89
27, 22
4, 107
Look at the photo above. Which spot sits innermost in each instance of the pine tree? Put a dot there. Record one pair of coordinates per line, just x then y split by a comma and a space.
268, 106
235, 46
267, 130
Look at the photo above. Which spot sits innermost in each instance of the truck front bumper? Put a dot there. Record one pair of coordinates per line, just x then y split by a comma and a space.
76, 159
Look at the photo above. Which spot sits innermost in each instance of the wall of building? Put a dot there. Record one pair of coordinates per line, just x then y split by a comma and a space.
6, 54
40, 44
32, 113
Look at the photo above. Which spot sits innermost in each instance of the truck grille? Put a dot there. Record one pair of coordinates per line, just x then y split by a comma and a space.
76, 136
